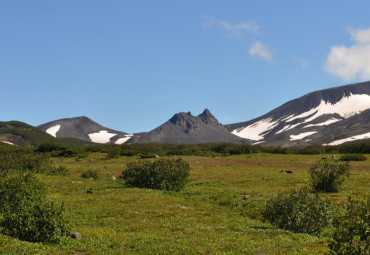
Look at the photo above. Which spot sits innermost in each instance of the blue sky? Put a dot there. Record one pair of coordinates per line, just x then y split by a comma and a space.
130, 65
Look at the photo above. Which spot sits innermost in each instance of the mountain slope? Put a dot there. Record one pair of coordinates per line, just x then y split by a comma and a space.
186, 129
85, 129
320, 117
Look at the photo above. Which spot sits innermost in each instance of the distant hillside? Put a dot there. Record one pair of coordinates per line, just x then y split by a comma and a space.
19, 133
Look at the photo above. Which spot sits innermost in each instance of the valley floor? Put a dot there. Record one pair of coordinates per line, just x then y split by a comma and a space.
216, 213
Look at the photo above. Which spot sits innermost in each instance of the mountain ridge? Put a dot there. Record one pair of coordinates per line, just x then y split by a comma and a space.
313, 112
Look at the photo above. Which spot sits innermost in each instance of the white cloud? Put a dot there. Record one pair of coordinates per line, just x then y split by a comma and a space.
352, 62
232, 30
260, 50
303, 63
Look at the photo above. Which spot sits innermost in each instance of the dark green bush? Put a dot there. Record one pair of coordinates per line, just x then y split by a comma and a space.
50, 147
353, 157
41, 222
129, 153
114, 153
328, 175
20, 189
352, 230
299, 211
90, 174
163, 174
25, 212
56, 150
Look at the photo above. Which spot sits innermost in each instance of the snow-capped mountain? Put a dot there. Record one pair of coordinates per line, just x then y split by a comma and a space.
86, 129
331, 116
186, 129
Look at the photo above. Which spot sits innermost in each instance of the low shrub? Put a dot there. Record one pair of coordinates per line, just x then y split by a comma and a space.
90, 174
163, 174
26, 214
352, 230
299, 211
328, 175
353, 157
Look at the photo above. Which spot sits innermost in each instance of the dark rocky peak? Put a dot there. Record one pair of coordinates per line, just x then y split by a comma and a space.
185, 120
207, 117
181, 118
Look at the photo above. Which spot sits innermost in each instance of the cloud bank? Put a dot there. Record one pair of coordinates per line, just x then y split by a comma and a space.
353, 62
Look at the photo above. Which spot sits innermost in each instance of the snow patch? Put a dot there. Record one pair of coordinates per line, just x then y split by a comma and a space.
102, 137
301, 136
352, 138
288, 127
286, 118
254, 131
346, 107
258, 142
8, 142
123, 139
328, 122
53, 130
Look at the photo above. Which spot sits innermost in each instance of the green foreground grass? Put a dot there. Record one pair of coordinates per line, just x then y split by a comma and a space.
208, 217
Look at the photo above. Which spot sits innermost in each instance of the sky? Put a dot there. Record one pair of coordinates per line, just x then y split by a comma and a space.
131, 65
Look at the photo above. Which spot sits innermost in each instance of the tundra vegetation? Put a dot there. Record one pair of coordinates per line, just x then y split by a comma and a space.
231, 199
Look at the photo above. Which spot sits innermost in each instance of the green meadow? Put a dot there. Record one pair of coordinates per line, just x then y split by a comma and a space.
218, 211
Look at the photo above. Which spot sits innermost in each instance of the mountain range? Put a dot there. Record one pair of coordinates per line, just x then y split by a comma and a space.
328, 117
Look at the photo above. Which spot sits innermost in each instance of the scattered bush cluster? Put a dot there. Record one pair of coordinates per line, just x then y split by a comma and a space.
299, 211
164, 174
353, 157
328, 175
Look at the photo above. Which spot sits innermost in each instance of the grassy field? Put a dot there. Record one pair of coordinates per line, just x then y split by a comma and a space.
209, 216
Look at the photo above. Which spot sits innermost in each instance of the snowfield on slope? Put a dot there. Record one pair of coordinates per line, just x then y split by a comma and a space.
102, 137
301, 136
352, 138
53, 130
346, 107
328, 122
254, 131
8, 142
124, 139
